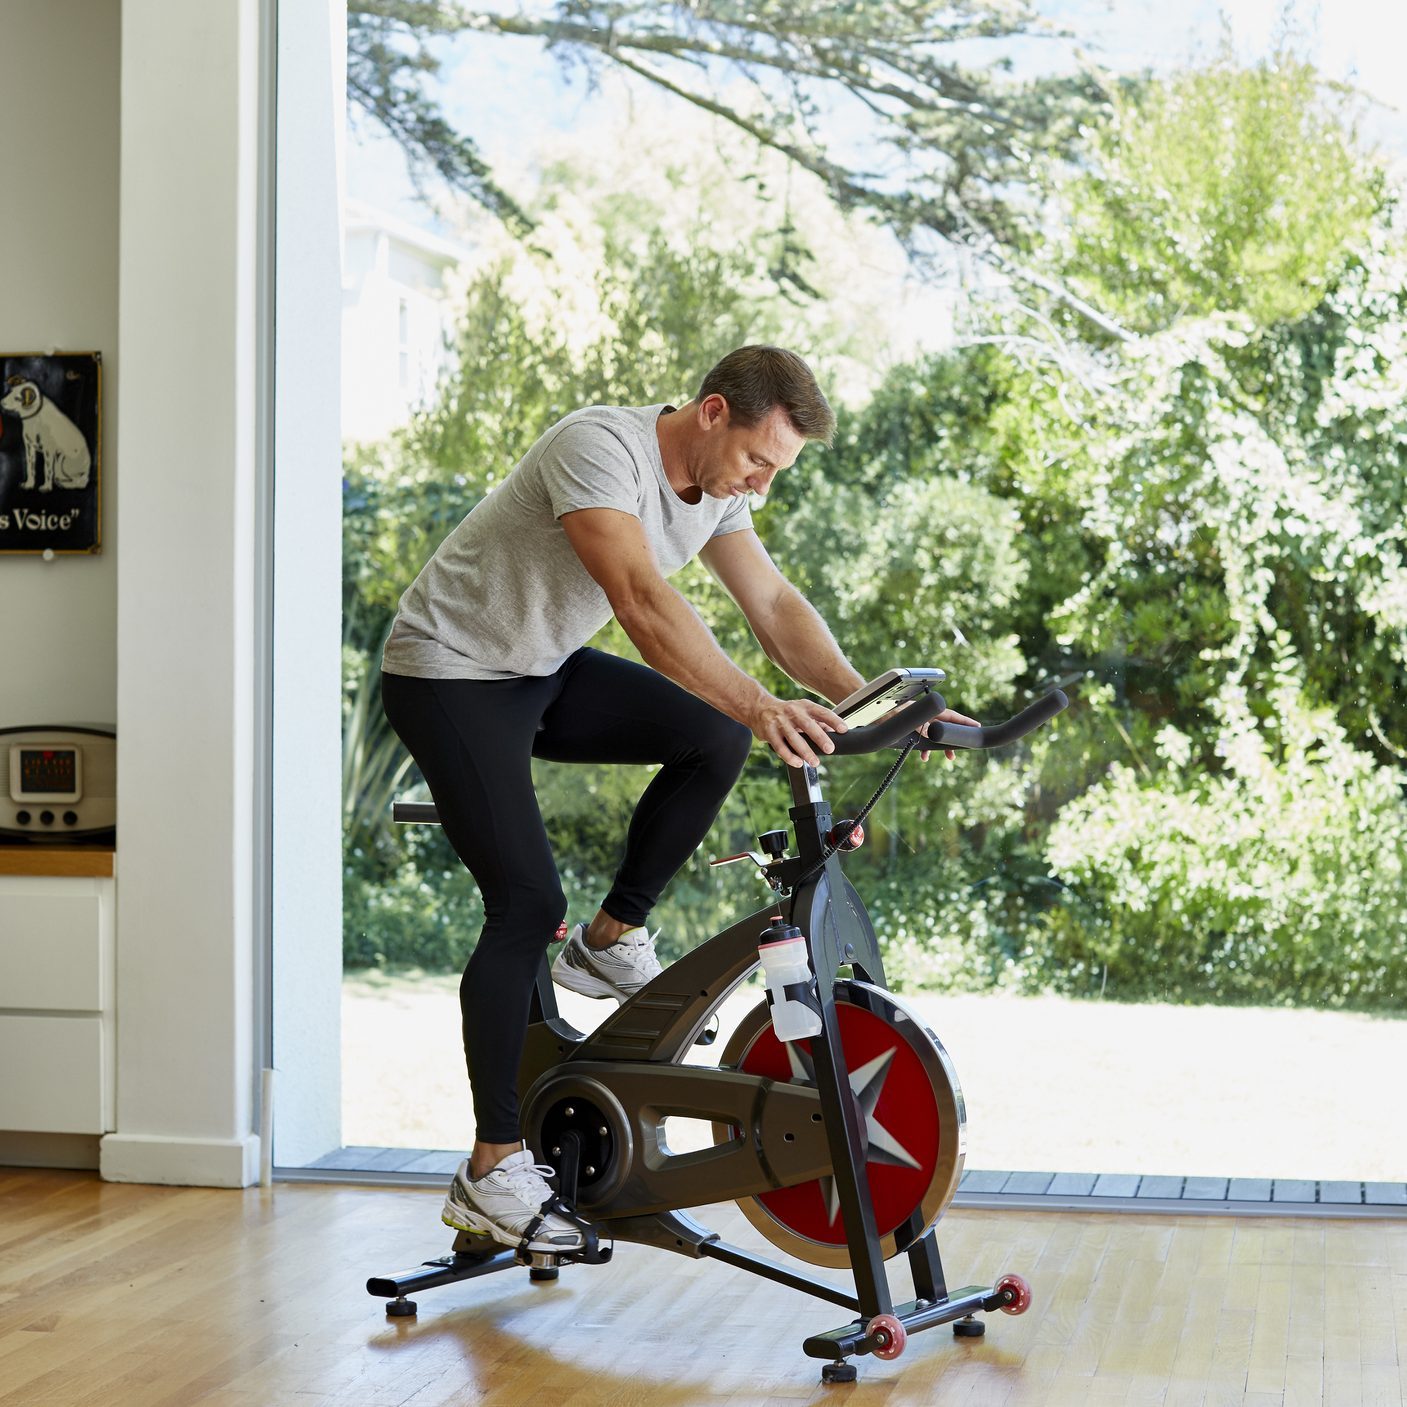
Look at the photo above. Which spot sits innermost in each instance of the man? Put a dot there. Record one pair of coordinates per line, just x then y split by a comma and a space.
485, 668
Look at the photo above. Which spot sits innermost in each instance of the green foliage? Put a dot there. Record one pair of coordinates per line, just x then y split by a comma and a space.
1277, 880
515, 372
964, 136
424, 911
915, 568
1224, 189
1234, 492
1200, 530
1212, 515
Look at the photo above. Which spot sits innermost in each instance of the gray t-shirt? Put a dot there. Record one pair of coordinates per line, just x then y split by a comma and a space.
505, 594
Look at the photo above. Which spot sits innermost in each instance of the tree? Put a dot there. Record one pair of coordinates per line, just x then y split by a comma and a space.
952, 147
1225, 189
1240, 471
1275, 879
1215, 524
1199, 528
515, 370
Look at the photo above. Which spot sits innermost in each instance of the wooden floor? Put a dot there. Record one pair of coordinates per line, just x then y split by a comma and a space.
113, 1295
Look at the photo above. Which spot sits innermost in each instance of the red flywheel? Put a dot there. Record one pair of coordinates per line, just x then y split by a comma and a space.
911, 1112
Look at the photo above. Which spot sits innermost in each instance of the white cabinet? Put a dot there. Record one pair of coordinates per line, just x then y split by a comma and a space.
57, 1008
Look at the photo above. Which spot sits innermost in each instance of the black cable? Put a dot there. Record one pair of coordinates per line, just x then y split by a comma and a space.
862, 813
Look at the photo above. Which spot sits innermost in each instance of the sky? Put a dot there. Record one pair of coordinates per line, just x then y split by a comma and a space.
507, 94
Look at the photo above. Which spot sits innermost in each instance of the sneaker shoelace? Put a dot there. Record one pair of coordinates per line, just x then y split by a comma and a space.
529, 1182
635, 939
644, 948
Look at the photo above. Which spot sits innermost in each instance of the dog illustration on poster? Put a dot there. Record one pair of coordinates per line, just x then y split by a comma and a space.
49, 433
51, 452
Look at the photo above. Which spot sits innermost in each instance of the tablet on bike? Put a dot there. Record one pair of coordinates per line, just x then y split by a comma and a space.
883, 694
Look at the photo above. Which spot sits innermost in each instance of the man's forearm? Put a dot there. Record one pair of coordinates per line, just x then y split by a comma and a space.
673, 639
800, 643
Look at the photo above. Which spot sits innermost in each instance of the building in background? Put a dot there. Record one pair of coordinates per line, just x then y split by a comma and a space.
395, 318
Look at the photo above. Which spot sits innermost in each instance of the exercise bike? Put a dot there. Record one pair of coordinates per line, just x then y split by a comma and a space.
842, 1149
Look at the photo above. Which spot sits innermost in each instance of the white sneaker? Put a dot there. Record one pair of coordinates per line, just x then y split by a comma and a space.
504, 1202
618, 971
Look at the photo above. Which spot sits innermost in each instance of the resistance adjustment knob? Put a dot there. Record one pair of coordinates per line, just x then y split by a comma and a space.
774, 843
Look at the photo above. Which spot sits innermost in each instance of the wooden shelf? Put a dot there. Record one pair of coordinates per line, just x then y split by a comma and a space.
65, 861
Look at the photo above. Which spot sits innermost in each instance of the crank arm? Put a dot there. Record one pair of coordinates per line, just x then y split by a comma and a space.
634, 1100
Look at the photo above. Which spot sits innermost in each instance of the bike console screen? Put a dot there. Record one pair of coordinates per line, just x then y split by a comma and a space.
881, 696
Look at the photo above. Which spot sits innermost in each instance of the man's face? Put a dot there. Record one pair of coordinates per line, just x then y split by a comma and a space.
736, 459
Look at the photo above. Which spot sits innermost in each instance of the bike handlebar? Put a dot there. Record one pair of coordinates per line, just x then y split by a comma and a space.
895, 730
890, 731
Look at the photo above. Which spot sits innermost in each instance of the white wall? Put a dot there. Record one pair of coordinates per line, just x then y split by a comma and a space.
186, 1065
149, 141
58, 248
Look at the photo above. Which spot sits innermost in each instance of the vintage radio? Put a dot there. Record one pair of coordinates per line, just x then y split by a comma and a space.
62, 783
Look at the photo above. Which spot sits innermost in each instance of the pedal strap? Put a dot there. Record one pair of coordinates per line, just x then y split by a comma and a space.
532, 1228
590, 1252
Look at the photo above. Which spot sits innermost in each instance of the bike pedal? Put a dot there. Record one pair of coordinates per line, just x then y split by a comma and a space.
587, 1255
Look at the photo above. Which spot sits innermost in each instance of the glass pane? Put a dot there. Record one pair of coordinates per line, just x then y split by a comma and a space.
1116, 355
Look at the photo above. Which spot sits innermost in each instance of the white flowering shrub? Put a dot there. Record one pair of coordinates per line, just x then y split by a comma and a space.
1276, 877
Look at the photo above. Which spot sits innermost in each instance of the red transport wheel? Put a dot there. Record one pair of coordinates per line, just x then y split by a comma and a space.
1020, 1294
913, 1117
889, 1335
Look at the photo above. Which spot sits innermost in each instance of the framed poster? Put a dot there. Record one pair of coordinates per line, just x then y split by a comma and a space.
51, 452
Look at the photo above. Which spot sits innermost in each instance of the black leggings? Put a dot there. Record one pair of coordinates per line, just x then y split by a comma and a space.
473, 740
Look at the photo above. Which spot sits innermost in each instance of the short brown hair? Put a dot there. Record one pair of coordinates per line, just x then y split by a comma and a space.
756, 379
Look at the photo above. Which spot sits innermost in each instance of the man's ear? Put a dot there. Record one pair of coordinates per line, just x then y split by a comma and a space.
713, 410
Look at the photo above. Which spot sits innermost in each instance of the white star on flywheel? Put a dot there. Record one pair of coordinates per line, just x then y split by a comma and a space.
866, 1084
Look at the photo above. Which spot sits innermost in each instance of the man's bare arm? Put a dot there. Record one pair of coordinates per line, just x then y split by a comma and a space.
673, 639
787, 625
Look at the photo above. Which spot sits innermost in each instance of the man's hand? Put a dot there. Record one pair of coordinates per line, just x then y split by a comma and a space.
796, 729
947, 716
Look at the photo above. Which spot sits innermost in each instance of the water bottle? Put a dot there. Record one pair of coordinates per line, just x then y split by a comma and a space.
782, 953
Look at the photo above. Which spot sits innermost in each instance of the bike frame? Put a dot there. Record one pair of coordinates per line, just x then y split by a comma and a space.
655, 1030
629, 1075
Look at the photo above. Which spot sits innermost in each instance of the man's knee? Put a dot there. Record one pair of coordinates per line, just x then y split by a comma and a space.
529, 918
727, 744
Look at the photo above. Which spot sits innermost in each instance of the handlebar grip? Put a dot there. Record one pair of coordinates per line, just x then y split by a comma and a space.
415, 811
888, 732
962, 735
